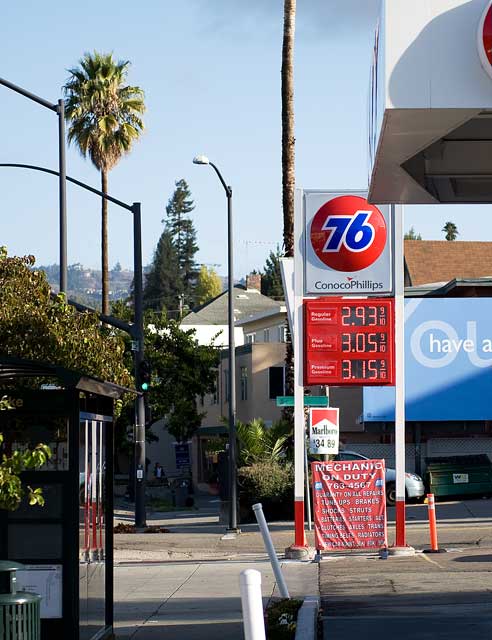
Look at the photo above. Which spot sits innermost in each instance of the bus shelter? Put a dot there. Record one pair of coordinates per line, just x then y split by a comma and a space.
67, 545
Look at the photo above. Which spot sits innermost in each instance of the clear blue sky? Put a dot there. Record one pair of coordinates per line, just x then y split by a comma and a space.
211, 74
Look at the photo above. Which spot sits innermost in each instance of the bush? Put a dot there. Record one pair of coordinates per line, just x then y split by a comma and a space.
282, 618
270, 483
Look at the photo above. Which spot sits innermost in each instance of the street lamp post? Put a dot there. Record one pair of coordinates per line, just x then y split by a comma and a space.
59, 109
233, 523
136, 331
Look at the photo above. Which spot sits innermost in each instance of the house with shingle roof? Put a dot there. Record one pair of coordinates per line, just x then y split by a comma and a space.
438, 262
210, 321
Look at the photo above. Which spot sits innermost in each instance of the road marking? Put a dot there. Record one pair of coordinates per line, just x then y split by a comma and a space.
426, 557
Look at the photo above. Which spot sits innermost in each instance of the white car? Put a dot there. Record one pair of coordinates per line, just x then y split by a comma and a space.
414, 485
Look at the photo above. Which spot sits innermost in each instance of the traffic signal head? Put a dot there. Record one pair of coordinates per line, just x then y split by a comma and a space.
144, 376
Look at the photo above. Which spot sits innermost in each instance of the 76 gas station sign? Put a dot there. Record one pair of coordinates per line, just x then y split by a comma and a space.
347, 245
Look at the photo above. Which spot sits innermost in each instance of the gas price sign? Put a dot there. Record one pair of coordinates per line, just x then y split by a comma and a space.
349, 341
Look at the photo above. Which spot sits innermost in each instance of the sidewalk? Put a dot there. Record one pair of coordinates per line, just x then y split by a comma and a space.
185, 584
196, 535
194, 601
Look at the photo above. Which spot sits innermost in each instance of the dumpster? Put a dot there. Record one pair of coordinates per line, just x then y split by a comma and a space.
459, 475
19, 611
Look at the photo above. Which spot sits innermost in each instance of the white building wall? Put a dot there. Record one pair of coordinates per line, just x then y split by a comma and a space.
219, 334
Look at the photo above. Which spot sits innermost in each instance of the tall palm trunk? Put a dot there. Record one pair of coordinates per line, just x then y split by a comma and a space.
288, 167
104, 244
288, 139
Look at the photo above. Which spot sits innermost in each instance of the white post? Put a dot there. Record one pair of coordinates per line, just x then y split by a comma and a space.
267, 541
252, 604
308, 491
297, 340
399, 275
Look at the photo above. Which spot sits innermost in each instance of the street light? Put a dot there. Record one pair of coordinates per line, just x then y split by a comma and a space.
136, 331
233, 524
59, 109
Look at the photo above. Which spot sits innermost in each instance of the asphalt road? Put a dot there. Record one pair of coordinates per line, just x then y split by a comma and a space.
427, 596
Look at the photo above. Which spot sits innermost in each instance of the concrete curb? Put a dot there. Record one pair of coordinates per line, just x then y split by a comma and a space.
307, 619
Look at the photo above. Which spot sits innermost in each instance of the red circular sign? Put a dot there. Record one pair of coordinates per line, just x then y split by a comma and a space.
485, 39
348, 233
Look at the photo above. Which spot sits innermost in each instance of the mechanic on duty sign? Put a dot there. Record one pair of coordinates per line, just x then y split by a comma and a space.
324, 430
349, 504
347, 244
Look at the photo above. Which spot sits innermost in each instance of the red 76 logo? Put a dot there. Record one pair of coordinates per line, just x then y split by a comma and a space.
353, 232
347, 233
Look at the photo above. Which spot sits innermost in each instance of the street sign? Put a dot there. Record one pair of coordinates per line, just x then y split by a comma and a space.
349, 341
309, 401
347, 245
324, 431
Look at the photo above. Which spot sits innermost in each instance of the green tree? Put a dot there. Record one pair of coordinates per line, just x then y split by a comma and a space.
451, 231
208, 286
259, 443
36, 326
163, 285
411, 235
105, 120
12, 490
183, 234
182, 370
271, 278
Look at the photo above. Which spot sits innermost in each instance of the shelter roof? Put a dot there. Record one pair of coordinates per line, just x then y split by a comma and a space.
12, 369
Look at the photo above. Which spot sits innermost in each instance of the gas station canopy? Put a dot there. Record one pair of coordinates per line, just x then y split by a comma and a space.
430, 120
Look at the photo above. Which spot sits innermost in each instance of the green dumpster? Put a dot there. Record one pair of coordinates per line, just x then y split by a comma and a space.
19, 610
459, 475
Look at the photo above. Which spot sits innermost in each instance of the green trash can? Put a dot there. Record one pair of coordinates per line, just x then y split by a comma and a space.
19, 611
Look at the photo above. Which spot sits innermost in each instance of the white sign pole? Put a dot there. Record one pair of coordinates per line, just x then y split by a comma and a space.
287, 272
399, 275
297, 342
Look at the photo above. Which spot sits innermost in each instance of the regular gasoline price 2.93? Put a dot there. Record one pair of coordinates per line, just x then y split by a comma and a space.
349, 341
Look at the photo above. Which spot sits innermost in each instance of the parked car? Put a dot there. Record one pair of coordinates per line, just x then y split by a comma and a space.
414, 485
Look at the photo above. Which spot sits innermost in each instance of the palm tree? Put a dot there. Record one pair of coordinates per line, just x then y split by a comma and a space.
105, 119
288, 139
451, 231
259, 443
288, 164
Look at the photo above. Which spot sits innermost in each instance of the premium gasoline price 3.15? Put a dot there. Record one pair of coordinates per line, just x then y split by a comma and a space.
349, 341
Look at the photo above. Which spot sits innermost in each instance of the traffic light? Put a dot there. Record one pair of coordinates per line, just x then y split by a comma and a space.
144, 377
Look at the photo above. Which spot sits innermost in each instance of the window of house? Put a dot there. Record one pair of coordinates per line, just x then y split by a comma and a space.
226, 386
276, 382
266, 335
250, 338
244, 383
281, 333
215, 394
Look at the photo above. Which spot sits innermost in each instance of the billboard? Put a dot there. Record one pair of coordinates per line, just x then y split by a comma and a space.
448, 363
349, 500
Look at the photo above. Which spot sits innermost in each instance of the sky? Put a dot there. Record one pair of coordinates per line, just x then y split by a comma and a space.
210, 70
